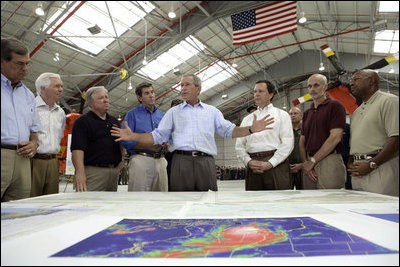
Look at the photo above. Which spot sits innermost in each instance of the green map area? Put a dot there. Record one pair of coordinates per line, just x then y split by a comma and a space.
245, 238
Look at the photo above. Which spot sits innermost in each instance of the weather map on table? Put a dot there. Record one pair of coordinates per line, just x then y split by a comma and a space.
252, 237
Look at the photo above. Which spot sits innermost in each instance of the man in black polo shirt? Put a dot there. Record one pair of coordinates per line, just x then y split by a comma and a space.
95, 155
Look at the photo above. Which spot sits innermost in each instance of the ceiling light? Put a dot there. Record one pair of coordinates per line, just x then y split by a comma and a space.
130, 84
321, 66
302, 19
56, 57
391, 70
234, 65
224, 96
171, 15
177, 71
39, 10
144, 62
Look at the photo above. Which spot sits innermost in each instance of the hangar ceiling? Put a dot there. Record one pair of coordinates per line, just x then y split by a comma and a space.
138, 30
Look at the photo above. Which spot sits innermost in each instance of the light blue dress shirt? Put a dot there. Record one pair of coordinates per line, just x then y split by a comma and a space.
193, 128
18, 113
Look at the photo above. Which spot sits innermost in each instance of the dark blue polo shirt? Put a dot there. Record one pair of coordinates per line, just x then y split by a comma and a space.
92, 135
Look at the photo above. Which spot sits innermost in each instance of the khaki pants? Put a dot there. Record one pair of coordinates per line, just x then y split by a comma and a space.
101, 179
384, 180
45, 178
331, 173
15, 175
147, 174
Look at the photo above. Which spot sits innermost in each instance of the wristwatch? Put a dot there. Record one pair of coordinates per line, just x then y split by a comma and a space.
312, 159
373, 165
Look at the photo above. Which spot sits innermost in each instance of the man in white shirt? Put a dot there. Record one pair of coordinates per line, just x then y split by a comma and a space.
265, 154
45, 177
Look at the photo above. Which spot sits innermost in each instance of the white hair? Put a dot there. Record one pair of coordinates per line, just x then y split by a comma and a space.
90, 92
44, 81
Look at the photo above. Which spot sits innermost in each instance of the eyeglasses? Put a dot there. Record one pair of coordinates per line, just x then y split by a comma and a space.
21, 64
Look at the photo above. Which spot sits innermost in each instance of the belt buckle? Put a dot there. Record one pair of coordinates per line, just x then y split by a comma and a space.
194, 153
362, 157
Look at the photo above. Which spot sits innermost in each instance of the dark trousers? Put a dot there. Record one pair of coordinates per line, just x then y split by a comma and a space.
277, 178
193, 173
296, 180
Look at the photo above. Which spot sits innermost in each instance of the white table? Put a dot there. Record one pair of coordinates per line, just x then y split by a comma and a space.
34, 229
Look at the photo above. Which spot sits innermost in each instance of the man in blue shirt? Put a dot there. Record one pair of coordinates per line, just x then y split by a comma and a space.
20, 122
192, 126
147, 164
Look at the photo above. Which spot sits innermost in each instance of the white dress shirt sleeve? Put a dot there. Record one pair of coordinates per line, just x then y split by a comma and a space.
241, 144
285, 147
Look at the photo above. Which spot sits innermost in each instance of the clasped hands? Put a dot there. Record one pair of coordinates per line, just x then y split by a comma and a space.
308, 169
27, 149
258, 166
359, 168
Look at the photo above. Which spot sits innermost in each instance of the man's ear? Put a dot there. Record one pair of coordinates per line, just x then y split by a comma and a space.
199, 88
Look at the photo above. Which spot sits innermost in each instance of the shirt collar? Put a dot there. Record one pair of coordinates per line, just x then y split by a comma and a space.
185, 104
266, 107
322, 104
145, 109
94, 115
5, 80
373, 97
40, 102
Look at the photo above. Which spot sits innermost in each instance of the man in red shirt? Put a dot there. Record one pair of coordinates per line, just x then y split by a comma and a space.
321, 139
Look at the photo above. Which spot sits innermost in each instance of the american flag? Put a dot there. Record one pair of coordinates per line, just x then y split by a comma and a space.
264, 22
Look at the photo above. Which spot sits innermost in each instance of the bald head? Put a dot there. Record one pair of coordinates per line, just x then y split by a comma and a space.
295, 110
295, 115
320, 77
370, 74
364, 83
317, 85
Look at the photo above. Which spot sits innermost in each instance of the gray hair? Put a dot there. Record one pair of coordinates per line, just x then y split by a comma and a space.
196, 79
44, 80
92, 90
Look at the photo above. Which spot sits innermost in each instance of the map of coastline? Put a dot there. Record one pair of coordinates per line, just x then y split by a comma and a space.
252, 237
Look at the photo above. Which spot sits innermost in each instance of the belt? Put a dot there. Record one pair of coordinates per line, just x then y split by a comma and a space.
105, 165
192, 153
365, 156
45, 156
155, 155
7, 146
262, 154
